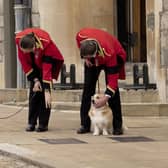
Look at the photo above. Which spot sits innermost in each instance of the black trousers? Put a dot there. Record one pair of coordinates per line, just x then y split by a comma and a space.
37, 109
91, 75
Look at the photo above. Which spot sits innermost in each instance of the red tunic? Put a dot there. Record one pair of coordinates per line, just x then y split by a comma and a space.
109, 48
47, 56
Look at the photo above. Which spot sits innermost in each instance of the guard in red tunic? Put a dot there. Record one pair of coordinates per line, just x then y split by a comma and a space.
101, 51
41, 61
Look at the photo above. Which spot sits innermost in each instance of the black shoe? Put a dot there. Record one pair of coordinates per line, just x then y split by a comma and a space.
83, 130
42, 129
30, 128
118, 131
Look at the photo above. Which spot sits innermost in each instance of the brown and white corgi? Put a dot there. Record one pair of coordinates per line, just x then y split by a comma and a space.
101, 118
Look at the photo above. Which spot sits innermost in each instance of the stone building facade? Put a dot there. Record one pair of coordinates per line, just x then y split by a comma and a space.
62, 19
1, 45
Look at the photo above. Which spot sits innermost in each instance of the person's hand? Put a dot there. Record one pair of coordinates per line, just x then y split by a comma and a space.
54, 81
88, 63
37, 86
47, 95
101, 102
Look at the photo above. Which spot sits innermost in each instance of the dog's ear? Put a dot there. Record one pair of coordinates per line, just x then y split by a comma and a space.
97, 97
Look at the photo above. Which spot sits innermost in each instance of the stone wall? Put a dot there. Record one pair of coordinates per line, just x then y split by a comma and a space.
1, 45
164, 34
163, 46
35, 14
63, 19
157, 72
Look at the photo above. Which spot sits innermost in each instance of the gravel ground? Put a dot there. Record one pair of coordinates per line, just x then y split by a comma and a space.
11, 162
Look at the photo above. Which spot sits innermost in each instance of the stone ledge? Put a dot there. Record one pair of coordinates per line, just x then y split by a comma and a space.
13, 151
7, 95
131, 96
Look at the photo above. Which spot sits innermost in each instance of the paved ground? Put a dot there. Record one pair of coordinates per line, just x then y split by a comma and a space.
144, 144
10, 162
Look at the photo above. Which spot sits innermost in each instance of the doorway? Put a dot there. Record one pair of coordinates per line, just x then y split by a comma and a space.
131, 27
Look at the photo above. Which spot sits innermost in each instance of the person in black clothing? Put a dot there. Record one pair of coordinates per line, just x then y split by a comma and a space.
101, 51
41, 61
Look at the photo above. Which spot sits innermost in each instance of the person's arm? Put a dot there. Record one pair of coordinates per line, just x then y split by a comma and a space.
121, 59
121, 54
114, 65
37, 85
25, 61
47, 69
51, 56
47, 79
112, 72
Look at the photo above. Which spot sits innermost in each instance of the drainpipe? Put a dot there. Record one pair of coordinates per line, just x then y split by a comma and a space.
22, 20
9, 44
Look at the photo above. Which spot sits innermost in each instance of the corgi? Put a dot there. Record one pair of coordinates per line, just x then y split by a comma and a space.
101, 118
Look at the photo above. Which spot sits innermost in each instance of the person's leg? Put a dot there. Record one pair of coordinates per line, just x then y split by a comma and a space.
115, 105
34, 108
90, 77
44, 115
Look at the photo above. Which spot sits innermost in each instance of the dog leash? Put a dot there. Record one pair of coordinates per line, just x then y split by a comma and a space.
98, 82
18, 111
98, 85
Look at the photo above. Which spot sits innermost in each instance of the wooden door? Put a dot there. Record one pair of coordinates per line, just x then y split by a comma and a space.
132, 28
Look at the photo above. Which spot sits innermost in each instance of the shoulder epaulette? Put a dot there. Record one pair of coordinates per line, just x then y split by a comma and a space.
46, 40
38, 42
82, 36
106, 53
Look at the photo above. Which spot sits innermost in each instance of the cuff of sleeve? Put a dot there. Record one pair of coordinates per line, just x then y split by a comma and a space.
31, 75
107, 95
109, 92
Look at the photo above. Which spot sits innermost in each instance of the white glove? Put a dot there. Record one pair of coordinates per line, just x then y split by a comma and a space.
47, 99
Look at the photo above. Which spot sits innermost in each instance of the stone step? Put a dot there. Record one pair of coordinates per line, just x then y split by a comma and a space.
127, 96
139, 96
129, 109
